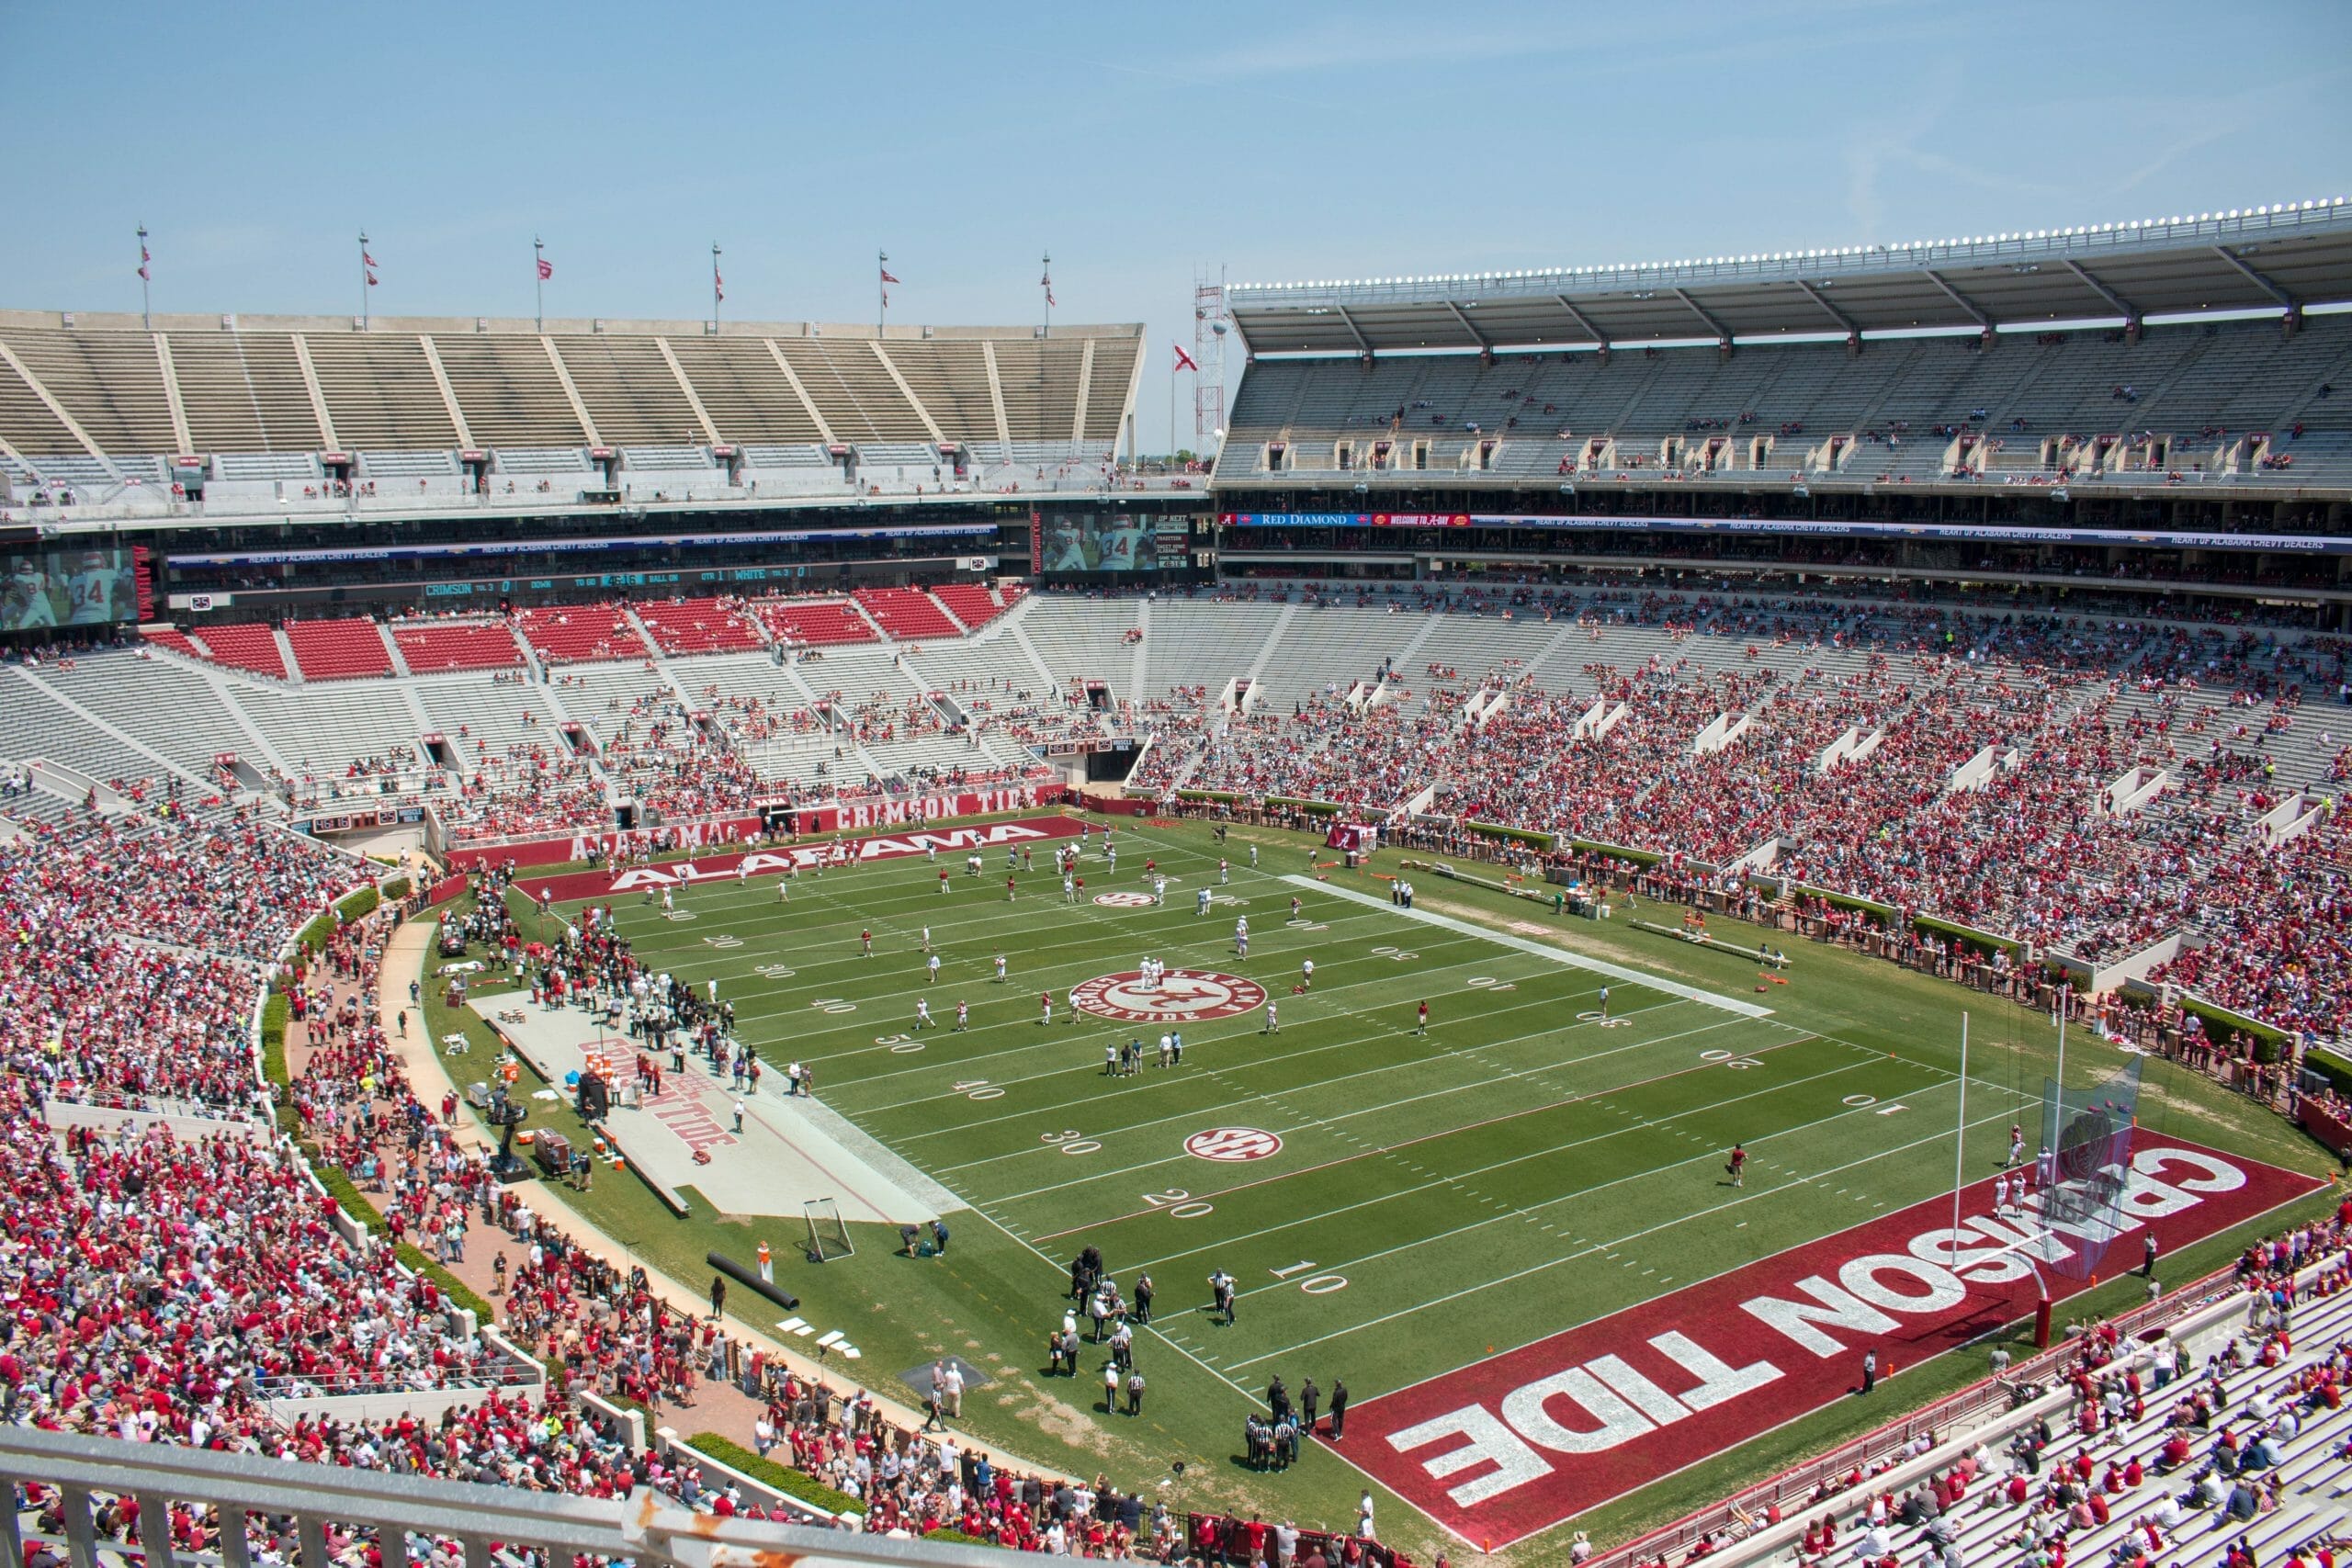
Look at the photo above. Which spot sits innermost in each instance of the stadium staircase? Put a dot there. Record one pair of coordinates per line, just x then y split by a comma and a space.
1143, 650
1019, 634
667, 668
1274, 639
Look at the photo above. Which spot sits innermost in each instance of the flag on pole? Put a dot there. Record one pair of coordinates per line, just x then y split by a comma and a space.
366, 260
546, 269
718, 284
887, 277
1183, 360
371, 279
144, 259
1047, 283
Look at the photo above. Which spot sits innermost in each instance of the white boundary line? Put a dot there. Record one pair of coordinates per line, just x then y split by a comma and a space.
1544, 949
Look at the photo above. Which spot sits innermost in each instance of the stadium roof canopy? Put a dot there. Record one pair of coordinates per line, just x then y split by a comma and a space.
2286, 258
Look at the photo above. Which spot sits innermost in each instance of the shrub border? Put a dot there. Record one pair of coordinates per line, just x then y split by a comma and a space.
766, 1471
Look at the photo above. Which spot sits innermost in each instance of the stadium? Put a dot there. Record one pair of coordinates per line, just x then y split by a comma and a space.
1631, 912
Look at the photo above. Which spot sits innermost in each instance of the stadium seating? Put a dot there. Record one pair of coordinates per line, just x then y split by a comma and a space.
1977, 740
247, 645
338, 650
2203, 385
698, 625
907, 614
174, 639
971, 602
539, 399
427, 647
821, 622
581, 633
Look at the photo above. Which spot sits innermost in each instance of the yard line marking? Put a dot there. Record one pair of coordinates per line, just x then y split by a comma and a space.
1569, 1257
1067, 1068
1504, 1076
1546, 951
1452, 1178
1045, 1040
1440, 1181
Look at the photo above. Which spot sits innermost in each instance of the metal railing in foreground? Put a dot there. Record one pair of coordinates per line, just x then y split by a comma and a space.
493, 1525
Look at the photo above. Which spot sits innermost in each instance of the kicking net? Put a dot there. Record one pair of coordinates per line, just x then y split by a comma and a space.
828, 1237
2085, 1164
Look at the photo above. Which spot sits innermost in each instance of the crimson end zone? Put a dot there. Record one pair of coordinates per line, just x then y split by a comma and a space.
1522, 1441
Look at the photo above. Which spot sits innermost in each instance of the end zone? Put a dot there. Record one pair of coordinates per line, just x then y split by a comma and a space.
1522, 1441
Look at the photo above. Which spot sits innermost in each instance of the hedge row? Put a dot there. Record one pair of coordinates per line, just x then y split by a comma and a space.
781, 1478
1984, 941
274, 1014
1224, 796
1512, 835
344, 1191
1312, 807
1614, 851
457, 1289
1848, 901
2334, 1068
397, 888
2269, 1043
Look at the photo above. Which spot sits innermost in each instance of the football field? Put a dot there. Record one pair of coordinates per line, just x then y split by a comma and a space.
1395, 1207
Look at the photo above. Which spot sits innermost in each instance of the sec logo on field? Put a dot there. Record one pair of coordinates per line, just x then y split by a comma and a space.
1231, 1144
1124, 900
1182, 995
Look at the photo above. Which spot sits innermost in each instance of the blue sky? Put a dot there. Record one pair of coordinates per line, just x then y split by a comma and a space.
1136, 143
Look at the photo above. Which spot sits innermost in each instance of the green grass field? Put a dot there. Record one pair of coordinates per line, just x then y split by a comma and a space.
1526, 1165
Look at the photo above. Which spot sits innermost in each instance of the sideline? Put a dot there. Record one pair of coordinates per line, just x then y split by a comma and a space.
404, 960
1539, 949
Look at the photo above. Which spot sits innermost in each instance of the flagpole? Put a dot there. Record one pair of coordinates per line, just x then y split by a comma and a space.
1049, 294
882, 293
538, 285
363, 280
1960, 1141
146, 309
715, 294
1171, 413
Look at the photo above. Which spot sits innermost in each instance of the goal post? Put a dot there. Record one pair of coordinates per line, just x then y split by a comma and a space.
828, 1236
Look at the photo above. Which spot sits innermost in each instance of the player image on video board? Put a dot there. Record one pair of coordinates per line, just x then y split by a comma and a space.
1092, 541
66, 588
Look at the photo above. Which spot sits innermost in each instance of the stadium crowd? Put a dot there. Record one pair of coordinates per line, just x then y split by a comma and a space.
2078, 785
201, 1290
